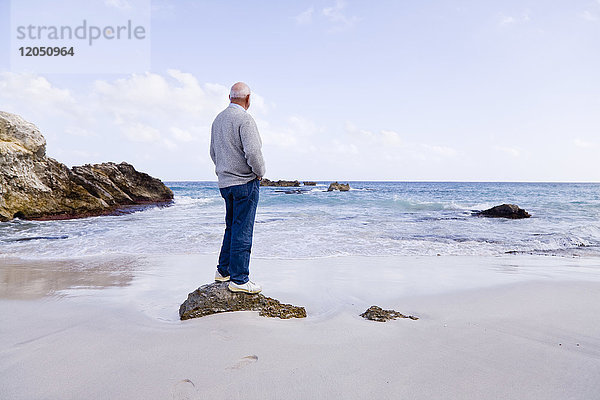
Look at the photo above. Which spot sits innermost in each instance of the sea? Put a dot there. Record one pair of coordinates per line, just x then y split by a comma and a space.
372, 219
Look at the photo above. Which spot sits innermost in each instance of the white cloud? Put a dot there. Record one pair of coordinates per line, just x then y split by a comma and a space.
18, 89
119, 4
79, 131
297, 132
391, 146
507, 20
584, 144
139, 132
124, 118
512, 151
305, 17
589, 16
391, 138
336, 16
442, 150
182, 135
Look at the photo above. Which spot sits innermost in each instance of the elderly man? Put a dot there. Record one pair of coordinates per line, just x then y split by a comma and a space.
235, 149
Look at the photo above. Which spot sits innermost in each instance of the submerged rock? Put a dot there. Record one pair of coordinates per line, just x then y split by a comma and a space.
216, 298
375, 313
34, 186
510, 211
279, 183
342, 187
309, 183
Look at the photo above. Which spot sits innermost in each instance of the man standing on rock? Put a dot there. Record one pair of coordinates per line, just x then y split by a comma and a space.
235, 149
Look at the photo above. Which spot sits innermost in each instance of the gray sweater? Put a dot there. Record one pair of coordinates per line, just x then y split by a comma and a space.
235, 147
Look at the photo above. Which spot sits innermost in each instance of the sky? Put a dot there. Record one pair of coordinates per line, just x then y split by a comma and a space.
399, 90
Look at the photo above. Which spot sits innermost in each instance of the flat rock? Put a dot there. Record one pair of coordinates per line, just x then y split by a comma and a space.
215, 298
279, 183
375, 313
510, 211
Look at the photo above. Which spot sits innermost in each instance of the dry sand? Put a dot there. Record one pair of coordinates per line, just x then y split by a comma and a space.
489, 328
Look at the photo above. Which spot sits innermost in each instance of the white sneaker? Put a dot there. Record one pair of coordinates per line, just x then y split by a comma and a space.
220, 278
248, 287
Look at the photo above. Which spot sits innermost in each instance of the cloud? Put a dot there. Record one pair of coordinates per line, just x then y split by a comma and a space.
336, 16
182, 135
295, 132
390, 145
305, 17
20, 89
507, 20
161, 124
512, 151
119, 4
442, 150
583, 144
589, 16
139, 132
139, 114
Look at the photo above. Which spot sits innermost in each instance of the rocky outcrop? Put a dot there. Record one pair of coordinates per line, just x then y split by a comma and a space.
280, 183
375, 313
342, 187
309, 183
216, 298
34, 186
510, 211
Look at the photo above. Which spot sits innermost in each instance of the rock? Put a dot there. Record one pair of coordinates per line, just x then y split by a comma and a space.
280, 183
216, 298
290, 191
309, 183
504, 211
34, 186
375, 313
342, 187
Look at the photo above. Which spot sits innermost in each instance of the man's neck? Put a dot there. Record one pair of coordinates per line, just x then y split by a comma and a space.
237, 105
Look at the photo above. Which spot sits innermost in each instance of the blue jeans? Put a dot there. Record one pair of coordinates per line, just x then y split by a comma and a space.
240, 210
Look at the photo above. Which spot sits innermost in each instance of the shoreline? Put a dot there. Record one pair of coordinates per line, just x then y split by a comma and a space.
511, 328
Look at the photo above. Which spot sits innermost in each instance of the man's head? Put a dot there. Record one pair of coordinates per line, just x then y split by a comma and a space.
240, 94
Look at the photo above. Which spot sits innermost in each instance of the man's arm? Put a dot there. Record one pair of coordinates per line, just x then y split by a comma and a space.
252, 143
212, 147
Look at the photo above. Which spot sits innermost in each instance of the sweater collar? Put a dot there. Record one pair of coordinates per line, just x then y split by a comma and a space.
238, 106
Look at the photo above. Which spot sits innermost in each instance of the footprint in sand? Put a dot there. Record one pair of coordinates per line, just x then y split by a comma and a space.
185, 390
244, 361
221, 334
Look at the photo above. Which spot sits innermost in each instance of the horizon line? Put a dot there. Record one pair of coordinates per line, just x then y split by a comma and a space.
394, 181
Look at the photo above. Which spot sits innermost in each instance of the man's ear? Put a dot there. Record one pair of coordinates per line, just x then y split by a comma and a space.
248, 101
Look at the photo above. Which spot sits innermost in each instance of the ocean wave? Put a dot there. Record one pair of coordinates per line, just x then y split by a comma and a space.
389, 219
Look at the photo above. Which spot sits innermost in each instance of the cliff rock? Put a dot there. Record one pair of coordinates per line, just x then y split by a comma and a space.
34, 186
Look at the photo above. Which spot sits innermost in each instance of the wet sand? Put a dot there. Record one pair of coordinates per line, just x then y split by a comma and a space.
512, 327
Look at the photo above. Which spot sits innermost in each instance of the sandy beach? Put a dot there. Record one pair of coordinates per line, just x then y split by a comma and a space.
513, 327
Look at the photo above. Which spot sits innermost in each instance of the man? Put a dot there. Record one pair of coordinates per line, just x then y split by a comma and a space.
235, 149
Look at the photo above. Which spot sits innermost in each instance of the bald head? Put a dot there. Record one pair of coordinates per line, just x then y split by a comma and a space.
240, 94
